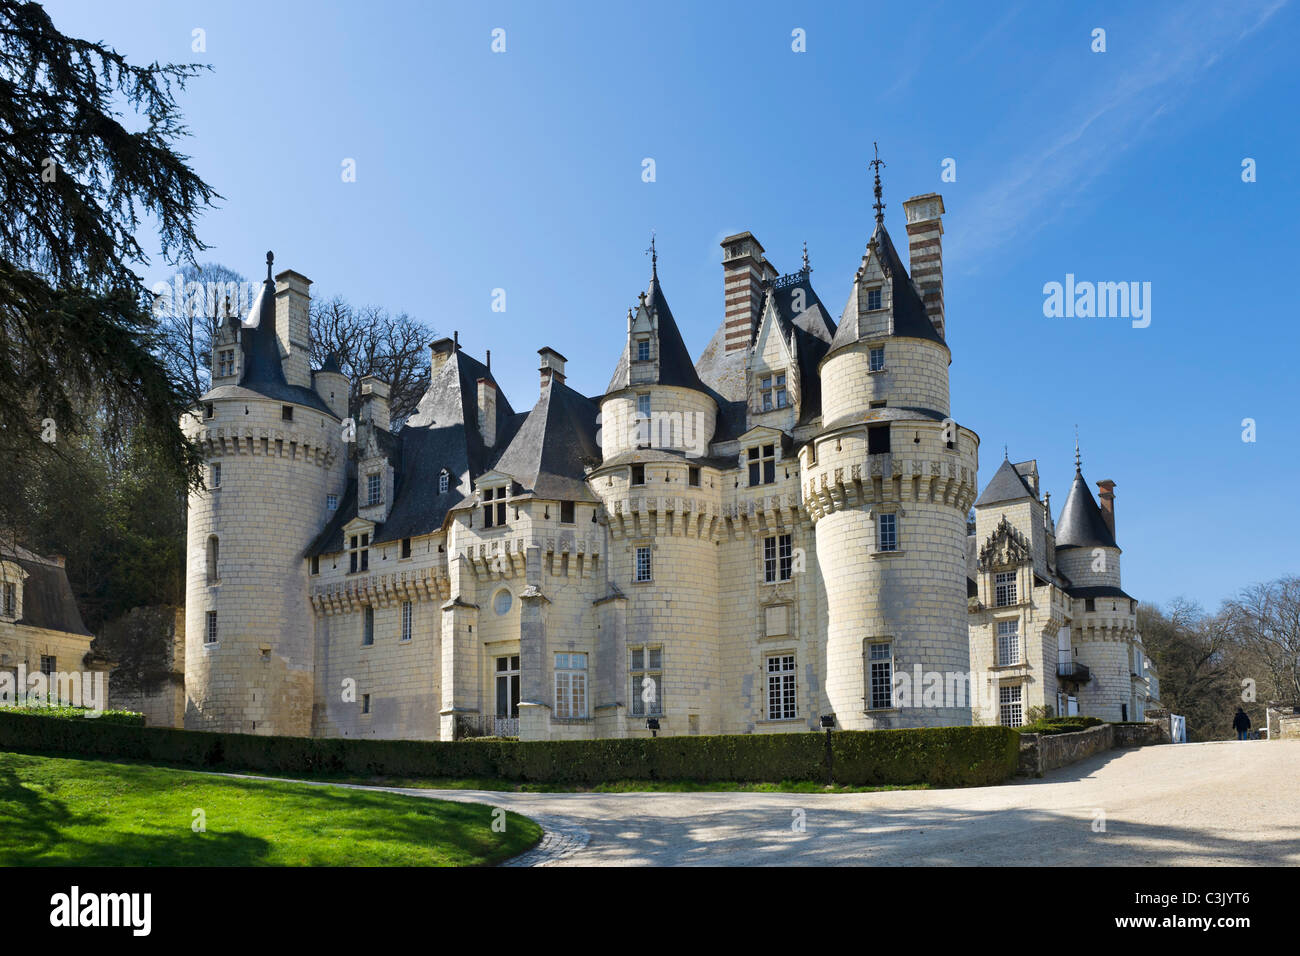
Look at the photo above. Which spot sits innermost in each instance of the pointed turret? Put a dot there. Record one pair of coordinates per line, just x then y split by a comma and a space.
1081, 524
261, 347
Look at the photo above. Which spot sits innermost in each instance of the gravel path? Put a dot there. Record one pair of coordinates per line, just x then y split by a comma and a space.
1228, 804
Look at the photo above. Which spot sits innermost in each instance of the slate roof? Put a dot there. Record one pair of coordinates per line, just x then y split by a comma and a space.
675, 365
1099, 591
1081, 524
48, 601
547, 454
910, 318
1006, 485
263, 372
442, 433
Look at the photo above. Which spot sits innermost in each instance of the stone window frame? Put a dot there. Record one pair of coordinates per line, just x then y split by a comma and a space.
214, 476
643, 348
358, 548
761, 460
893, 532
331, 502
1004, 701
786, 694
493, 498
12, 577
211, 634
566, 674
637, 707
374, 489
878, 291
781, 567
773, 392
444, 481
871, 661
365, 705
1012, 588
997, 642
872, 352
368, 625
213, 560
408, 621
648, 551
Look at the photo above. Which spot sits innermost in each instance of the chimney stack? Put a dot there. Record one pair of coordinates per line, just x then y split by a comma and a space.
744, 270
374, 402
925, 252
1106, 496
439, 352
552, 367
487, 412
293, 326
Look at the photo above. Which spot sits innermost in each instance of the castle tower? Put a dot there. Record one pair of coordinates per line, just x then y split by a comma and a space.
658, 620
888, 480
272, 456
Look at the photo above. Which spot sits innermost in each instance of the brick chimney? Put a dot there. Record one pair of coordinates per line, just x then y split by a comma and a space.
293, 325
744, 271
1106, 496
487, 412
925, 252
552, 367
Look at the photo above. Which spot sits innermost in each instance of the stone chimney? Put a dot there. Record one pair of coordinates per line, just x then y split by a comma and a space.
439, 352
293, 326
374, 402
1106, 498
552, 367
744, 270
487, 412
925, 252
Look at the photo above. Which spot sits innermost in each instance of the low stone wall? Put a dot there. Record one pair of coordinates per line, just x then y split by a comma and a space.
1283, 719
1042, 752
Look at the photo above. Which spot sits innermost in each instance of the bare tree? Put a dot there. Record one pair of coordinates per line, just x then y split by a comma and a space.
189, 310
369, 340
1265, 622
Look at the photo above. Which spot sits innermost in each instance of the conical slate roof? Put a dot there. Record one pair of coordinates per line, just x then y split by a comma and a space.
262, 364
909, 316
548, 452
1006, 485
675, 365
1081, 524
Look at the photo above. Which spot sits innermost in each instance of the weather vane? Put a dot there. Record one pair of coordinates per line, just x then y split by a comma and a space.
654, 256
876, 164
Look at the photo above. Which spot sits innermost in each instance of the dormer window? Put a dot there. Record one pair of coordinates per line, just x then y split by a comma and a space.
566, 512
643, 405
773, 392
873, 298
225, 363
331, 502
374, 489
643, 350
286, 413
444, 482
11, 599
209, 411
494, 507
877, 359
359, 553
638, 474
762, 465
1005, 589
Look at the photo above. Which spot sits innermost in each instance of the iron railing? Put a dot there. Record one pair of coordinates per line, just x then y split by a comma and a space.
486, 725
1073, 670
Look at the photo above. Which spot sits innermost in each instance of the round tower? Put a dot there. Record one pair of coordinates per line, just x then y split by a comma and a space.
271, 447
657, 421
888, 481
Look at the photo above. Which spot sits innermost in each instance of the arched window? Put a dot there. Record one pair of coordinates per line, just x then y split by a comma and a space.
214, 549
444, 480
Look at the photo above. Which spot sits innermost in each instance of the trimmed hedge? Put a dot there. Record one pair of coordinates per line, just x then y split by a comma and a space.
944, 756
1060, 725
128, 717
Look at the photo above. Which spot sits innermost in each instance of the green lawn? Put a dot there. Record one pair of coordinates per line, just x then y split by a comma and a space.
60, 812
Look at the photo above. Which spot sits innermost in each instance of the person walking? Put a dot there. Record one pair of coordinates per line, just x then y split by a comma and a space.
1241, 724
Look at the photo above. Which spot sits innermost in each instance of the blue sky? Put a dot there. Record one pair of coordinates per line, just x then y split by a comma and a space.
522, 170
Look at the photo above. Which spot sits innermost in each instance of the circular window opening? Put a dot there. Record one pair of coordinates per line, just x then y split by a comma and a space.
502, 601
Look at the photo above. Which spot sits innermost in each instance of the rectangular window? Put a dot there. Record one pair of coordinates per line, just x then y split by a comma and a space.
286, 413
571, 685
1008, 643
216, 474
315, 564
781, 400
367, 626
374, 489
765, 391
646, 666
567, 512
227, 363
643, 350
210, 635
778, 552
48, 665
873, 299
1004, 594
331, 502
11, 599
880, 675
1009, 706
638, 474
359, 553
693, 477
762, 465
507, 678
878, 359
888, 532
643, 564
643, 406
1090, 604
781, 693
408, 616
209, 410
365, 703
878, 440
406, 547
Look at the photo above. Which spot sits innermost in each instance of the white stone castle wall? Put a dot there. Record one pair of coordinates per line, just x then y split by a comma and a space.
915, 375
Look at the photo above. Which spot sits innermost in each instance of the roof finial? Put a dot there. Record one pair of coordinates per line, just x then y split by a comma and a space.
806, 268
1004, 453
1078, 467
654, 257
270, 257
876, 164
